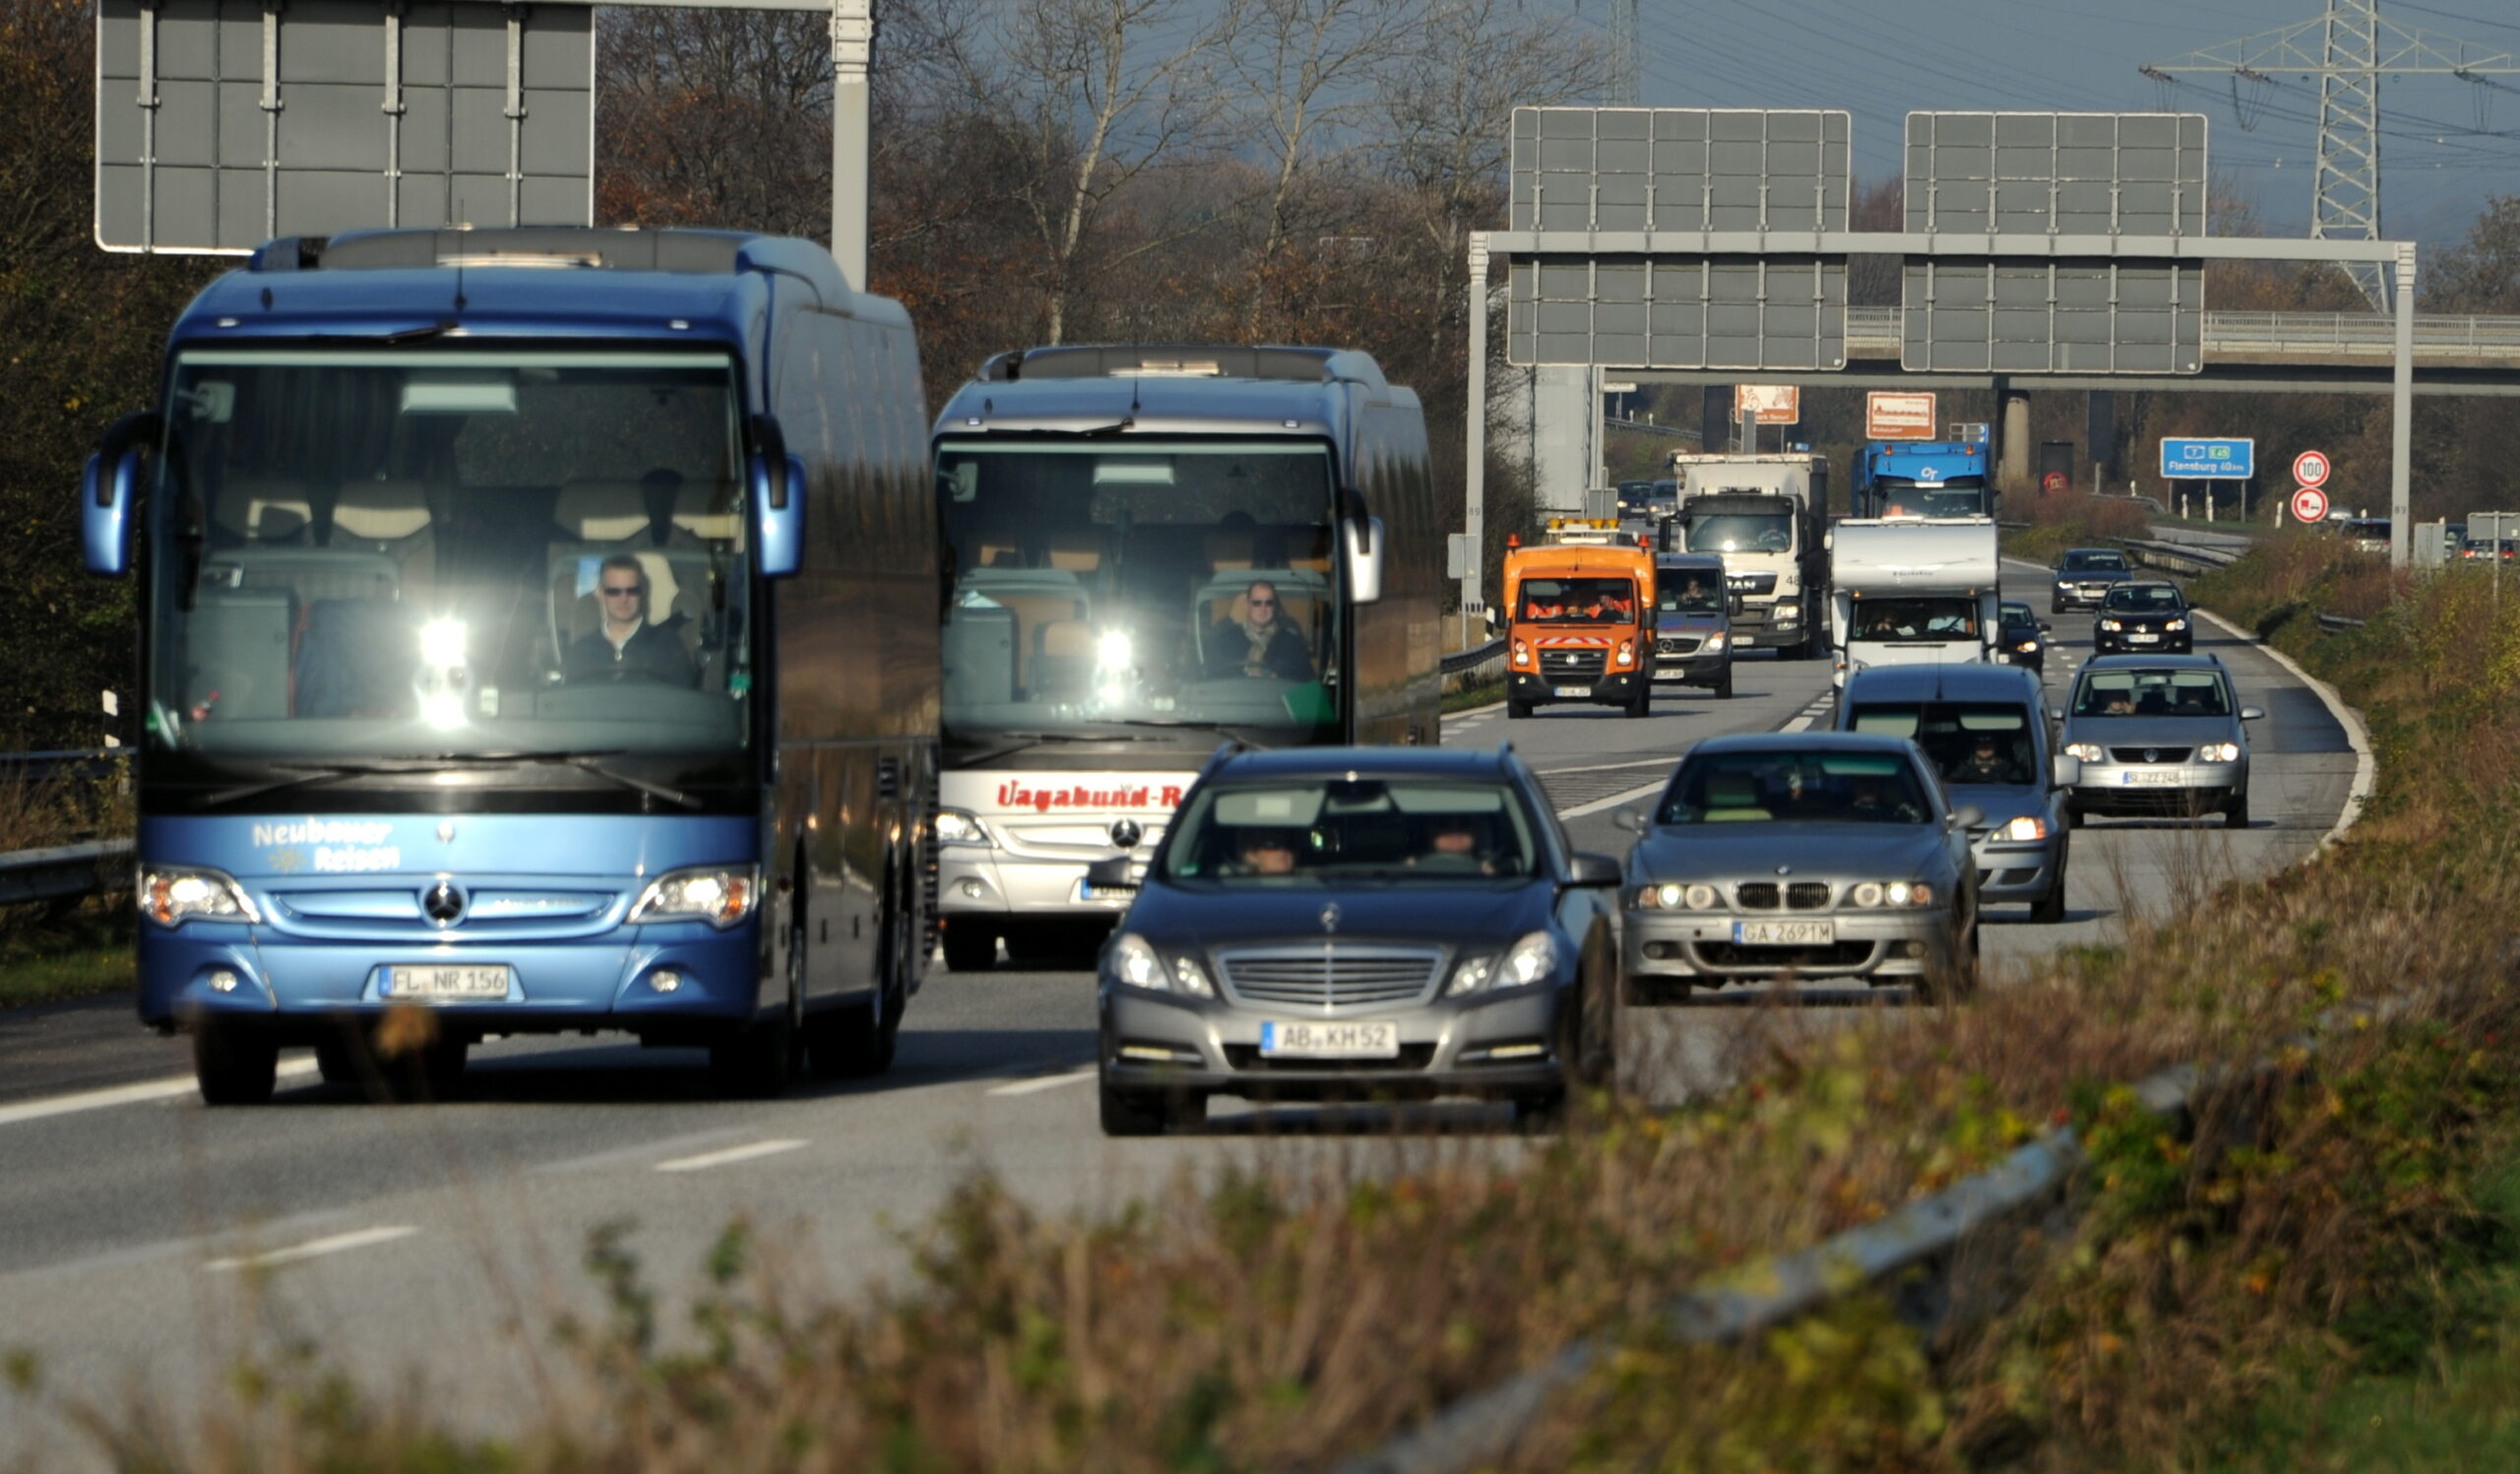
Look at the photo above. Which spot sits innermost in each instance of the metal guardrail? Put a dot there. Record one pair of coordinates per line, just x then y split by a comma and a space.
2337, 625
1475, 657
64, 871
73, 762
2181, 557
2350, 334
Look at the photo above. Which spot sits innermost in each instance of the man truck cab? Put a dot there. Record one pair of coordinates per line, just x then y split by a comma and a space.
1910, 593
1579, 626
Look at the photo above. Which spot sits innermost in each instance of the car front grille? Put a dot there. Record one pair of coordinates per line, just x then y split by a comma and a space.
1573, 661
2150, 754
2092, 591
1330, 976
1832, 955
1247, 1057
1677, 644
1763, 895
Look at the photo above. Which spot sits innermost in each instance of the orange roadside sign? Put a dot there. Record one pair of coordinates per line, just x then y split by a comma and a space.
1773, 404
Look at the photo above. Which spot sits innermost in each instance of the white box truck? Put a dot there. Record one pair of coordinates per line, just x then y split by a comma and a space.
1909, 592
1764, 515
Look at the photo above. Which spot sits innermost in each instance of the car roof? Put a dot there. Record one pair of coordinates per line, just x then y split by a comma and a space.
1487, 764
1684, 561
2153, 663
1951, 681
2071, 551
1815, 741
2138, 584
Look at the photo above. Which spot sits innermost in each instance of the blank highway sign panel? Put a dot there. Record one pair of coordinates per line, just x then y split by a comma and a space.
221, 124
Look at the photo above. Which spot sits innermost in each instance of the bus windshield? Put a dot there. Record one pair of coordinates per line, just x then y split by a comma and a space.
421, 554
1120, 590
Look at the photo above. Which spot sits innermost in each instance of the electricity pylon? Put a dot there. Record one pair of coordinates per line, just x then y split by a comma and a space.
2345, 51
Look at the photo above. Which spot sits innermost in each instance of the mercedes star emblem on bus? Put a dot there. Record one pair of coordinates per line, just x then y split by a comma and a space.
1330, 917
444, 903
1126, 833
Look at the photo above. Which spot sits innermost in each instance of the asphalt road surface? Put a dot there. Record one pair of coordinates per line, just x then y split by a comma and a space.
144, 1241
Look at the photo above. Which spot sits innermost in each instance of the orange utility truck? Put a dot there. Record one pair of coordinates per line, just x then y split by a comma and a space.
1578, 619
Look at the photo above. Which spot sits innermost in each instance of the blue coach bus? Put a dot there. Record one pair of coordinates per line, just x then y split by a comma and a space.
538, 632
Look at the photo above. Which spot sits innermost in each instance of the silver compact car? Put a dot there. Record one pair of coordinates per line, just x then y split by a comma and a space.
1358, 922
2157, 734
1806, 856
1985, 730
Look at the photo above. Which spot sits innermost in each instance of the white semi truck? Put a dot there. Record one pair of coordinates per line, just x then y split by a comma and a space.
1910, 593
1764, 515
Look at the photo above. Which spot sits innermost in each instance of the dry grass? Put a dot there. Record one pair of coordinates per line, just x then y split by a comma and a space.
2073, 519
1282, 1316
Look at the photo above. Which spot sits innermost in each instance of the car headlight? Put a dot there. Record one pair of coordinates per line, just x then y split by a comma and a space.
955, 827
1627, 652
171, 895
2026, 828
1522, 654
2085, 751
2110, 625
2028, 647
1894, 894
721, 895
1673, 896
2219, 752
2066, 584
2173, 624
1133, 961
1534, 959
1713, 645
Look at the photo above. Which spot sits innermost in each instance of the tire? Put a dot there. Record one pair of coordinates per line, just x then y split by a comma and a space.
1126, 1115
1516, 711
970, 944
1641, 704
1724, 687
234, 1065
2236, 813
760, 1061
2050, 908
858, 1040
2073, 814
1958, 982
1592, 1058
337, 1059
1541, 1115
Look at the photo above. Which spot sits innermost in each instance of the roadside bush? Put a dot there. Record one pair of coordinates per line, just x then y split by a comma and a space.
2070, 519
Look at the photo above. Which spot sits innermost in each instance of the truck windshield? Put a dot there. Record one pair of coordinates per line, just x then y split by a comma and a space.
1577, 600
1741, 532
1925, 618
1953, 496
1121, 590
426, 555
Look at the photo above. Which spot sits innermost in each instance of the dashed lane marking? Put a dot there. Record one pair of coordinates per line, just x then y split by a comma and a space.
313, 1249
750, 1151
1077, 1076
124, 1095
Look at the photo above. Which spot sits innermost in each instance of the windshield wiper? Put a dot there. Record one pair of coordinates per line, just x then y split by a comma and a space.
1026, 741
307, 774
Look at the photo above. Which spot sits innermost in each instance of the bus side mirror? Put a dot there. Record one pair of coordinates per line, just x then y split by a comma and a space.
1360, 544
109, 492
778, 502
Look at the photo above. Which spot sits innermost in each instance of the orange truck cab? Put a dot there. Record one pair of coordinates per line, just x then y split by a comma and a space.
1578, 621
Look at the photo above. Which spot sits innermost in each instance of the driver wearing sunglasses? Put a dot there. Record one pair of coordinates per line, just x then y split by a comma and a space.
1262, 644
624, 645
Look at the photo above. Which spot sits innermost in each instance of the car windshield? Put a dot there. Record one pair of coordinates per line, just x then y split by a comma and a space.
1796, 786
1577, 600
1935, 620
1741, 532
421, 554
1301, 832
2018, 614
1688, 591
2143, 599
1966, 742
2094, 562
2127, 692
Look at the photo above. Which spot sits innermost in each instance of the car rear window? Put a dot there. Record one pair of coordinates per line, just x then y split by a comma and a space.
1807, 787
1966, 742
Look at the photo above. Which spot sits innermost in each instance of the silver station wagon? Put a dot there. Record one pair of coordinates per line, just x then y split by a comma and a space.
1804, 856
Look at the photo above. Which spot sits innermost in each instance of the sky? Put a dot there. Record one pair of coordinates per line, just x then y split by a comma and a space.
2446, 144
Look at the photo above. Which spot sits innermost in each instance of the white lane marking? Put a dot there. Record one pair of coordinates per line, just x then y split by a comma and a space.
2366, 768
123, 1095
1606, 767
316, 1247
1489, 709
1075, 1077
731, 1155
1614, 800
641, 1152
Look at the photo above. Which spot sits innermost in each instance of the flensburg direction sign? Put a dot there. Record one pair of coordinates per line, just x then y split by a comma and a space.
2311, 468
1774, 403
2198, 458
2309, 504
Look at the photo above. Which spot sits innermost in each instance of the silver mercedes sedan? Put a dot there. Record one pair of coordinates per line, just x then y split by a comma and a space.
2157, 734
1802, 855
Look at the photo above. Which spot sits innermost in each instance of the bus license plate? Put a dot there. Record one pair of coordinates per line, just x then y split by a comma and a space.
1784, 934
446, 982
1574, 690
1087, 890
1372, 1039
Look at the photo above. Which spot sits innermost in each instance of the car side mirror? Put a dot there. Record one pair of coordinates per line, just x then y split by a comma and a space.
1110, 873
778, 502
2046, 628
1631, 818
2055, 714
109, 492
1360, 540
2253, 713
1591, 869
2068, 769
1968, 816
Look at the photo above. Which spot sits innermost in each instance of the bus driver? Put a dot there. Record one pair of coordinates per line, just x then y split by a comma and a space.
625, 646
1260, 644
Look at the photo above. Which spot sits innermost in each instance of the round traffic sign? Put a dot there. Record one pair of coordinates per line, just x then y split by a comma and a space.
2053, 483
2311, 468
2309, 504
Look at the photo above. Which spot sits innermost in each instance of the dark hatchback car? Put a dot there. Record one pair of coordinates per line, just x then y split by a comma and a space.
1358, 922
2084, 576
2144, 620
2025, 637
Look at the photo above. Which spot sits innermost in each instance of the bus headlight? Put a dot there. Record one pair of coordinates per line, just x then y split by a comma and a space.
171, 895
721, 895
955, 827
1714, 644
1115, 651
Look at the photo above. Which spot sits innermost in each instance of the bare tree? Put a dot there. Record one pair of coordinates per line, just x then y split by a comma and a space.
716, 118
